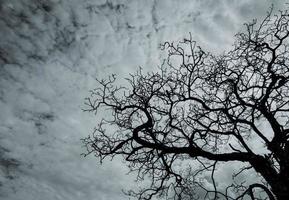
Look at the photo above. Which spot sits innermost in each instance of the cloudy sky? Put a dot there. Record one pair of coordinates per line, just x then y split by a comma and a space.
50, 53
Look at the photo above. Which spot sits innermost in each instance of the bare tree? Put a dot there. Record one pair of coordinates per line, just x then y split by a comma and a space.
177, 127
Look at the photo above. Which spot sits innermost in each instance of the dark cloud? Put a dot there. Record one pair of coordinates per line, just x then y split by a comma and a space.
50, 53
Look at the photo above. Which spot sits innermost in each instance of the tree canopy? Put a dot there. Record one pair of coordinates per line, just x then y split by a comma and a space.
181, 125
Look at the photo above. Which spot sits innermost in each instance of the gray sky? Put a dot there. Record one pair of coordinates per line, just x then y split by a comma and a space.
50, 53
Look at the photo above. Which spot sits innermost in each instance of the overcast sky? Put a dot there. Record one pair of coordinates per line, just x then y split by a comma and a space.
50, 53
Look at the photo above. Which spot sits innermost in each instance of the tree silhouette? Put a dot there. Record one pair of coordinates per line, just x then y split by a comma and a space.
181, 126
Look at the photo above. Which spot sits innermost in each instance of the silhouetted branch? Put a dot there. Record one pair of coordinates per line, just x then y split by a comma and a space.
200, 110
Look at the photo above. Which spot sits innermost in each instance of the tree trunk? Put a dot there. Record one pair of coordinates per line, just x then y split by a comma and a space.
281, 189
279, 182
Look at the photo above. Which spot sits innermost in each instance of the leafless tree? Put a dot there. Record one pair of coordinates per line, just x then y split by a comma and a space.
180, 125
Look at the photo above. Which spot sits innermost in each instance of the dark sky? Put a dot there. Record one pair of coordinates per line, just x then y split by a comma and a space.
50, 53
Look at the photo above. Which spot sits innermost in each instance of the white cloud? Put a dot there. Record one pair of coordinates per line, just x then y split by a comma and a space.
50, 52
